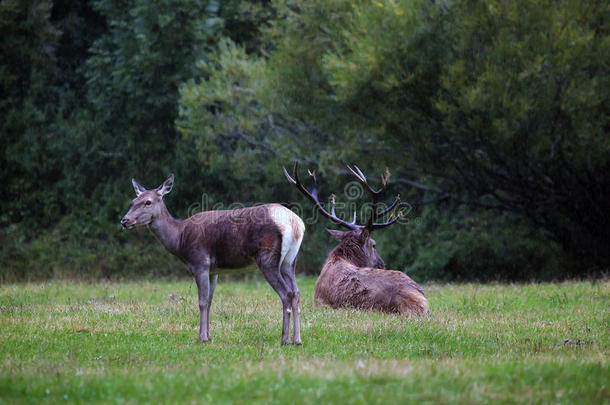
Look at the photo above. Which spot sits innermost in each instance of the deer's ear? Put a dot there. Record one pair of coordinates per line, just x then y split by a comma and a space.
167, 185
137, 187
336, 234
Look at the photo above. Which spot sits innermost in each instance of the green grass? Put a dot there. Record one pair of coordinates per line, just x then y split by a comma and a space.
482, 344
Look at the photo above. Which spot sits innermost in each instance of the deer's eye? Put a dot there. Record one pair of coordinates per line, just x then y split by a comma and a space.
148, 203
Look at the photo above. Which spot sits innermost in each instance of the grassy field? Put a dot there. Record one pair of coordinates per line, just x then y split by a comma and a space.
132, 342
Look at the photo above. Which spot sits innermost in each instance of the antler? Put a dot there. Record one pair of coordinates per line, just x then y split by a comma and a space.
375, 194
313, 196
371, 225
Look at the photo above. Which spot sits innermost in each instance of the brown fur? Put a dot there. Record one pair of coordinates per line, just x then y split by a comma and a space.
231, 239
351, 278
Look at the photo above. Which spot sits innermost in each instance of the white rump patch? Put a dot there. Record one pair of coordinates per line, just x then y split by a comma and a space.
290, 225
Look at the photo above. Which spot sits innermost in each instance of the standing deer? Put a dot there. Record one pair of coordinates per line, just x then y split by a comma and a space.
353, 274
270, 235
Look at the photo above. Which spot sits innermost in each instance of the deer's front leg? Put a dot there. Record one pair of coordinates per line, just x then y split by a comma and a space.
202, 278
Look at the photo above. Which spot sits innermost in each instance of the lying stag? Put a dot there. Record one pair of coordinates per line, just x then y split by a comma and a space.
353, 274
269, 235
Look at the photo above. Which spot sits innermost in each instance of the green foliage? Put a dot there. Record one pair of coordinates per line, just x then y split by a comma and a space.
492, 104
129, 342
529, 102
86, 251
238, 138
133, 75
497, 100
458, 243
95, 106
26, 45
60, 185
500, 105
222, 117
367, 97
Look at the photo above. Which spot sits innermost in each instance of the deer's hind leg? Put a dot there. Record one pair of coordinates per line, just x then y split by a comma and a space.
268, 265
288, 273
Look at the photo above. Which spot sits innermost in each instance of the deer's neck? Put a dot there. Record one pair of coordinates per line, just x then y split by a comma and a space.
167, 229
349, 251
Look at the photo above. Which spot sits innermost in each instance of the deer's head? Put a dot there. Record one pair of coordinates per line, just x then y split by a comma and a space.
358, 247
356, 244
147, 205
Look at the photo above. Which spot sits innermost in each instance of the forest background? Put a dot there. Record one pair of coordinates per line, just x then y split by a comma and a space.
491, 116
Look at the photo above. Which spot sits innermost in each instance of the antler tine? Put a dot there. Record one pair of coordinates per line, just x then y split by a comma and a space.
333, 213
376, 225
358, 176
290, 179
385, 178
314, 188
362, 180
391, 207
297, 181
357, 172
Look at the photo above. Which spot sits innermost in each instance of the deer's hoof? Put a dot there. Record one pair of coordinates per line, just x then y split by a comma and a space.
297, 342
204, 340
